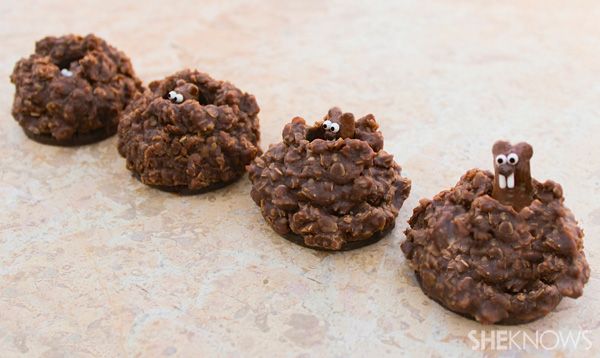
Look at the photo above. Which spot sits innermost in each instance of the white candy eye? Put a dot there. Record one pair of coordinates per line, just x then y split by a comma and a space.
65, 72
175, 97
335, 127
513, 158
501, 159
327, 125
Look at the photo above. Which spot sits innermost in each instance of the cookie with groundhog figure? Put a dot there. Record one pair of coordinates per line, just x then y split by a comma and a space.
498, 247
190, 133
330, 185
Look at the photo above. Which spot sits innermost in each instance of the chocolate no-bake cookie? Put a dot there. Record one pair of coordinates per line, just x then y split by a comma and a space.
330, 186
498, 248
72, 90
190, 133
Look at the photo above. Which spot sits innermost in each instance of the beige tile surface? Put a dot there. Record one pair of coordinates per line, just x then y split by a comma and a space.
92, 263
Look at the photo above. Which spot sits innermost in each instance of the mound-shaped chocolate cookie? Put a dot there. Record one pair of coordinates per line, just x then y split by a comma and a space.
190, 133
72, 90
339, 190
482, 259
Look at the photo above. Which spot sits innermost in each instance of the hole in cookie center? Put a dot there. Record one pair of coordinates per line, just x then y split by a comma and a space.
319, 133
312, 135
66, 62
204, 98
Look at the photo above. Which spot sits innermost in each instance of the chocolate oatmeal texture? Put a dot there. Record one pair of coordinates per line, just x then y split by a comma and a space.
190, 133
72, 89
482, 259
329, 191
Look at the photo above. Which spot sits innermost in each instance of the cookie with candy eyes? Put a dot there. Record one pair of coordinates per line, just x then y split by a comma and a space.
72, 90
500, 248
329, 186
190, 133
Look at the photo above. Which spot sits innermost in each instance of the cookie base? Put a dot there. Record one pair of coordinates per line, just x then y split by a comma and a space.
348, 246
184, 190
76, 140
506, 322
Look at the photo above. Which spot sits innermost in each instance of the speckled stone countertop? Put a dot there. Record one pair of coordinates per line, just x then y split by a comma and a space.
93, 263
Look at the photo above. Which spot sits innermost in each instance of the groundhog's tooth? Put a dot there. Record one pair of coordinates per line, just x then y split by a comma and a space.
502, 181
510, 182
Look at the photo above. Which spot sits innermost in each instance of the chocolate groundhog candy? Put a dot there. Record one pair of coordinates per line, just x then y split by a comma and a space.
190, 133
498, 248
72, 90
330, 186
513, 185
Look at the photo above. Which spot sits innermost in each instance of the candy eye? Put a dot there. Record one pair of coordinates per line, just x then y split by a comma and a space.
513, 158
327, 125
334, 127
65, 72
501, 159
175, 97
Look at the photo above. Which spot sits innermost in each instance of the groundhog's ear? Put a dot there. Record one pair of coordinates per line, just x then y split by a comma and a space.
300, 120
193, 90
347, 125
154, 85
500, 146
525, 150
